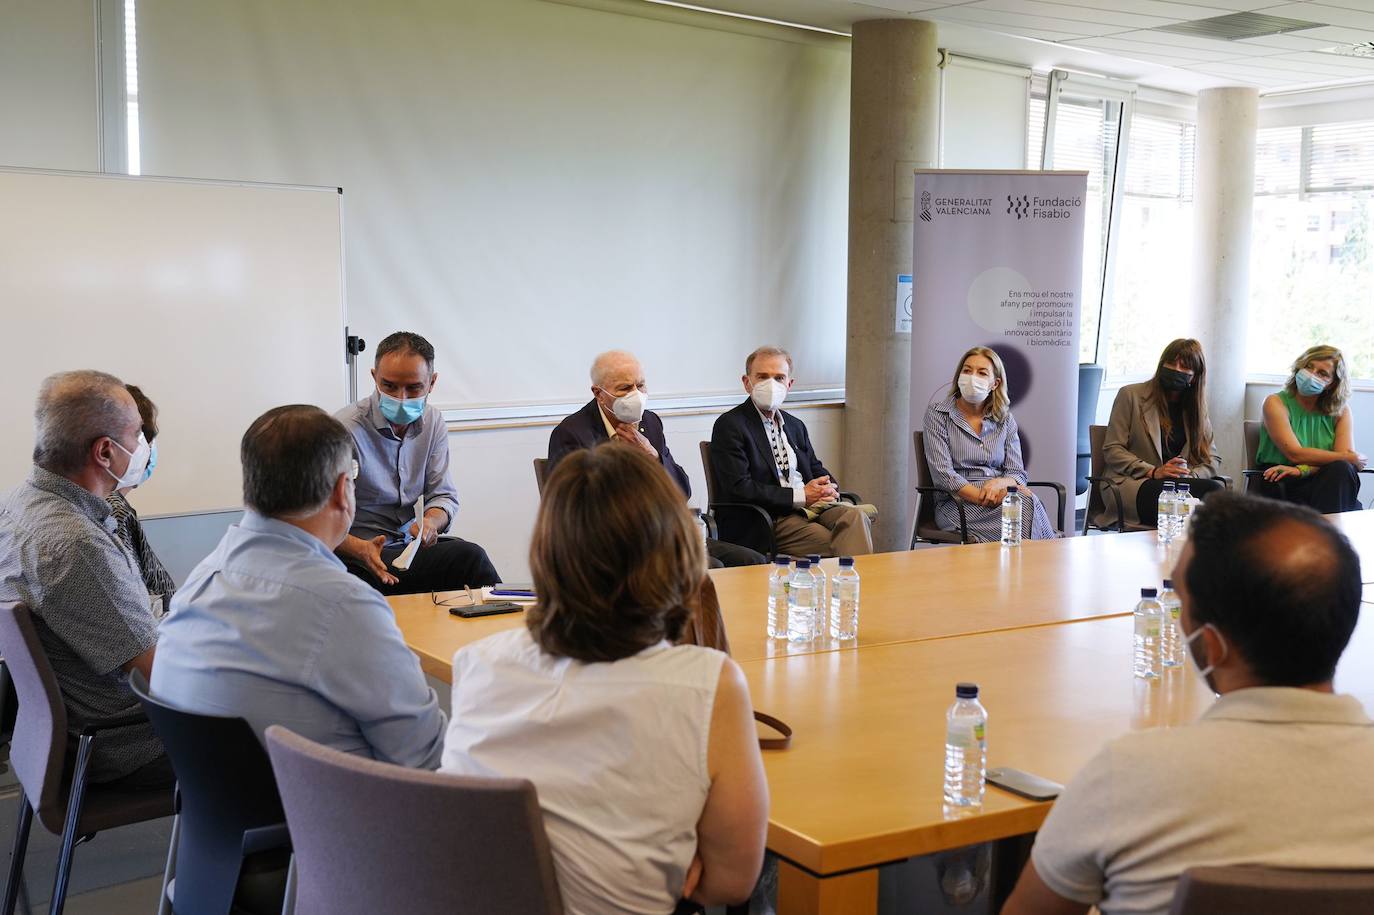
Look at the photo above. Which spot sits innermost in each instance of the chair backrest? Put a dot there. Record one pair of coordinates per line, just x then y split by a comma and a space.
925, 505
1252, 431
1254, 890
1089, 389
373, 837
1096, 436
226, 785
38, 750
705, 448
541, 473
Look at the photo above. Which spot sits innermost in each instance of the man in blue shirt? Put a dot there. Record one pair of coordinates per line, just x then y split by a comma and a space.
402, 445
270, 627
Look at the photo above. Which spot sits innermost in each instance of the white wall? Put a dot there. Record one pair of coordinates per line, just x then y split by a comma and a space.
49, 99
494, 472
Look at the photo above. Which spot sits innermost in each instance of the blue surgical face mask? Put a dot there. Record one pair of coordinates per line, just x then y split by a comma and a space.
401, 412
152, 463
1308, 385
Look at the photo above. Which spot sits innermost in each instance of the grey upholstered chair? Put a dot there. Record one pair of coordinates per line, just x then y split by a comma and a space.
373, 837
1253, 890
54, 786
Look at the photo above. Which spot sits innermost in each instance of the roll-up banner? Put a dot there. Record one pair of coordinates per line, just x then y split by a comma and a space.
998, 262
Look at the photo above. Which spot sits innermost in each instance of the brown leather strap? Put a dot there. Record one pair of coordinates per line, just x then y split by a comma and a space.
777, 724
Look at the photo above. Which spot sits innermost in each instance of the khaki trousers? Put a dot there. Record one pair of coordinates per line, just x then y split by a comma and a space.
841, 530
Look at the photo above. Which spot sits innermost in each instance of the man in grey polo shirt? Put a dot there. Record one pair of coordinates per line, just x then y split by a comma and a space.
269, 627
402, 444
1279, 771
60, 554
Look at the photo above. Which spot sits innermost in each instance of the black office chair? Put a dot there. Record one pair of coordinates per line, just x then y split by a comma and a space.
230, 821
926, 528
744, 523
741, 523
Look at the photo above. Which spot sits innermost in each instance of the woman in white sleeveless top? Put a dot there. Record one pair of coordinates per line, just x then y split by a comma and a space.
643, 752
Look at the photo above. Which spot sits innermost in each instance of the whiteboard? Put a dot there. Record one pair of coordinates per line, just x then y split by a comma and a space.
219, 300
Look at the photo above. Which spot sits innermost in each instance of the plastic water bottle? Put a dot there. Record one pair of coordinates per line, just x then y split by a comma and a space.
1183, 510
844, 601
818, 575
1164, 526
1011, 518
801, 604
1149, 630
701, 525
777, 598
966, 748
1171, 651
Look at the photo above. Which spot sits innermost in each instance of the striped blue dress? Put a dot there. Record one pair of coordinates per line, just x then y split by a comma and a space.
957, 455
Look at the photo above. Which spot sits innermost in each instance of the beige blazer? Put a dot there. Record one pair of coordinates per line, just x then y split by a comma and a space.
1132, 448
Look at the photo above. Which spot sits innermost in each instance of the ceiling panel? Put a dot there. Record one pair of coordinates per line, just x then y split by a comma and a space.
1163, 9
1335, 62
1326, 15
1294, 41
1365, 5
1018, 23
1144, 42
1120, 21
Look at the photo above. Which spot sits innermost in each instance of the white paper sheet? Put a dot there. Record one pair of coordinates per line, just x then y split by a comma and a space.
402, 561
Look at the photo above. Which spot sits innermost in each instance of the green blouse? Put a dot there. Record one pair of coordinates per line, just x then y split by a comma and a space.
1312, 430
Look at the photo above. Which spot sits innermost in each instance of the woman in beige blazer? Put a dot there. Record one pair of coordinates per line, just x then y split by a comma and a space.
1159, 432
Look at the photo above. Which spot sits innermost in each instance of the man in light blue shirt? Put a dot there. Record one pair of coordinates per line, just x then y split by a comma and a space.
402, 444
270, 627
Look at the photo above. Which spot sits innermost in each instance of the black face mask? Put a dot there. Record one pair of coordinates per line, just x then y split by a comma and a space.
1174, 380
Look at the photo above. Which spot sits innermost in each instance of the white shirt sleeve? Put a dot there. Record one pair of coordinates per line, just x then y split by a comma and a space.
799, 495
1070, 851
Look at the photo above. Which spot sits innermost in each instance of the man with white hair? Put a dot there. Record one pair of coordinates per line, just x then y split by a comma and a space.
60, 554
616, 413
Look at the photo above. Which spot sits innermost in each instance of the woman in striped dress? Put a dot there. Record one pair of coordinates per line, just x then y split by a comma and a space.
974, 452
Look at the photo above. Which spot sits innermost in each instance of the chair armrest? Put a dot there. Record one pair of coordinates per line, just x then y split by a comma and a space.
711, 530
1116, 495
1061, 496
266, 838
853, 498
1226, 481
958, 504
1250, 474
751, 516
90, 726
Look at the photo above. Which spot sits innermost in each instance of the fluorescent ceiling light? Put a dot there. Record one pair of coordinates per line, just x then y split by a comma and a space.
765, 19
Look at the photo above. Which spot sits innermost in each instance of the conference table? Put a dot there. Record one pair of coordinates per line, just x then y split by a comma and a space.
1044, 629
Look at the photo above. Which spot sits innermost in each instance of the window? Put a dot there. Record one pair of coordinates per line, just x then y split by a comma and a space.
131, 86
1312, 249
1151, 287
1085, 138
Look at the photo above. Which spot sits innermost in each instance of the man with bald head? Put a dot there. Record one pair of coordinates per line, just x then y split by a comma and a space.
1279, 771
61, 555
616, 413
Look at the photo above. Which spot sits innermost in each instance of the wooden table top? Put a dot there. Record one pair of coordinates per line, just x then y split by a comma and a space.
862, 782
904, 596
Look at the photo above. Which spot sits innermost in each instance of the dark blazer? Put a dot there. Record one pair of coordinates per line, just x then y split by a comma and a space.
742, 459
586, 429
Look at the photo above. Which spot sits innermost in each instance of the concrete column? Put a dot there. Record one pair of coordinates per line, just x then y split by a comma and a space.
1223, 204
894, 100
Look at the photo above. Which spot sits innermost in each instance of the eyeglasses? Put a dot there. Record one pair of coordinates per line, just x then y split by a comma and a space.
468, 599
354, 471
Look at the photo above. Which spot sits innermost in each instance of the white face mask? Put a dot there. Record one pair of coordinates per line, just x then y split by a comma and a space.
975, 388
1193, 636
768, 395
138, 462
630, 407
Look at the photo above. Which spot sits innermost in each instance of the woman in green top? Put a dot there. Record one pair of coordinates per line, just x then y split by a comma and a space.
1306, 447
